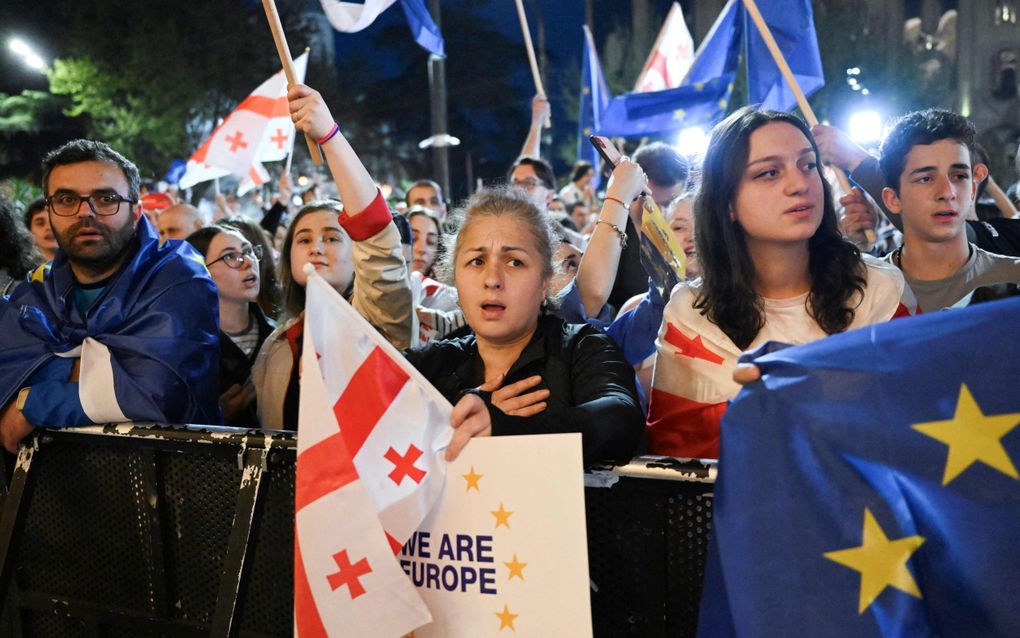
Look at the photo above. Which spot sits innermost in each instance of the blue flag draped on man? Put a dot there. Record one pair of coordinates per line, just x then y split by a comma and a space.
868, 485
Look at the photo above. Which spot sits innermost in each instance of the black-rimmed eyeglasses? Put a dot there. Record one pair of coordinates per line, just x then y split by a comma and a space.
237, 260
100, 202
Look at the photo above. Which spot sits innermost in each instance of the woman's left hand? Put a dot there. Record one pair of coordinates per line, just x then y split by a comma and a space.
470, 418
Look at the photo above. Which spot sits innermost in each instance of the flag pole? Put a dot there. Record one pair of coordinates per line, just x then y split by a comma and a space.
280, 38
791, 81
531, 54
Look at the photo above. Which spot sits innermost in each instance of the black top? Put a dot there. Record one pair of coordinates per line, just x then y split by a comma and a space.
591, 387
235, 365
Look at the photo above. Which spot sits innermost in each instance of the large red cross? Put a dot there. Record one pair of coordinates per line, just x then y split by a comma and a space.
404, 464
280, 139
236, 142
348, 574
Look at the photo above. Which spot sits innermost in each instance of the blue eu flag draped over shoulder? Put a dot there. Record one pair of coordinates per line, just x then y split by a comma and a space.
868, 485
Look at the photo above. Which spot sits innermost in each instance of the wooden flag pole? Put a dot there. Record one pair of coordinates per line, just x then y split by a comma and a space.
805, 107
280, 38
531, 54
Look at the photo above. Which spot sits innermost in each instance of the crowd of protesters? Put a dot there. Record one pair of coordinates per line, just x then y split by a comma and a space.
528, 305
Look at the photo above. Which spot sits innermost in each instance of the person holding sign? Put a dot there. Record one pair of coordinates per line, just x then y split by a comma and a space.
523, 371
774, 268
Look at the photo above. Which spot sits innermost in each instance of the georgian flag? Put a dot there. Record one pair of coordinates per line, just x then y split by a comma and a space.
670, 58
258, 130
370, 467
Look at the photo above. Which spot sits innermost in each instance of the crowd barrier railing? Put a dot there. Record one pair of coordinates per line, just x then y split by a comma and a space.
150, 530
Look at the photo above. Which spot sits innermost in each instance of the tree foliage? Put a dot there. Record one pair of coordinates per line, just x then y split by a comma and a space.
151, 78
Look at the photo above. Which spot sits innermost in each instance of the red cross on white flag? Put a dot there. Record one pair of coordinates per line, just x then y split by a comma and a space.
671, 57
370, 468
258, 130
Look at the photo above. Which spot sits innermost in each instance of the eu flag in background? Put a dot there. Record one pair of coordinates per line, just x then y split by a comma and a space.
793, 26
594, 98
704, 95
868, 485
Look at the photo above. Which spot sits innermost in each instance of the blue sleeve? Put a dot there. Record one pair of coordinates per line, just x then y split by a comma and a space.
635, 331
55, 404
571, 309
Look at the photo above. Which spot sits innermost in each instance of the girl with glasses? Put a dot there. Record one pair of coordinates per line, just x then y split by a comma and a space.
234, 266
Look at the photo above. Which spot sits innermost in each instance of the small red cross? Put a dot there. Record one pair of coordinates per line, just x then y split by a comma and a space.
236, 142
404, 465
280, 139
348, 574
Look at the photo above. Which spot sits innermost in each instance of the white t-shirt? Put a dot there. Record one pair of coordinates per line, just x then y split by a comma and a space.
695, 359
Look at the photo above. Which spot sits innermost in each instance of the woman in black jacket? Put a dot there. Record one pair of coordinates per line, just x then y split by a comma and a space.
522, 371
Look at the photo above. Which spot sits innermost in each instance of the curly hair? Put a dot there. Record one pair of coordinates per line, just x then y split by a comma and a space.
922, 128
728, 297
18, 254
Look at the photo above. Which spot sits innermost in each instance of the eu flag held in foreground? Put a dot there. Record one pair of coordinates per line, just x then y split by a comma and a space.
868, 485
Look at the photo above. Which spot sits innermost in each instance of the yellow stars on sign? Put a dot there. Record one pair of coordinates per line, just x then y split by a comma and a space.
472, 480
679, 114
516, 568
698, 86
972, 437
722, 104
586, 90
506, 619
502, 516
881, 562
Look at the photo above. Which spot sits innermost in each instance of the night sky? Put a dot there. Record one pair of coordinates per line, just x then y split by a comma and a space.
38, 23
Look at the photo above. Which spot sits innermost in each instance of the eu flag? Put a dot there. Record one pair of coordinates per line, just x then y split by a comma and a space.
701, 99
792, 25
868, 485
593, 100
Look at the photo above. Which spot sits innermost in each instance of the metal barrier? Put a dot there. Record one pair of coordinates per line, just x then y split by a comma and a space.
188, 531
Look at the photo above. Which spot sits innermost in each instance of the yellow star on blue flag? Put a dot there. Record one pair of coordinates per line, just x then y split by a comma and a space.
972, 437
881, 562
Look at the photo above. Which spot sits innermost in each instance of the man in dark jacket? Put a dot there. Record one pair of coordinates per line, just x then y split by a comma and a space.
117, 329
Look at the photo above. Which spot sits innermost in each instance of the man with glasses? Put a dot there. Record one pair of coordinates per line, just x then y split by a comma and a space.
118, 329
536, 178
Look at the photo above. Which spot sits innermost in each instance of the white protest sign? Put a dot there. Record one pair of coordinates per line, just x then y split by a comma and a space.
505, 551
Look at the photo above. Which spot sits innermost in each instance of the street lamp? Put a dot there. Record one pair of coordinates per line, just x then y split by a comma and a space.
28, 56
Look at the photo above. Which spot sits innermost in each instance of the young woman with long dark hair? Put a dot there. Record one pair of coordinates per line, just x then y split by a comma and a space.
774, 268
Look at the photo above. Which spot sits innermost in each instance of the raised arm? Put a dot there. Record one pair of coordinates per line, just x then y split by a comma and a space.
382, 292
597, 271
311, 115
540, 110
